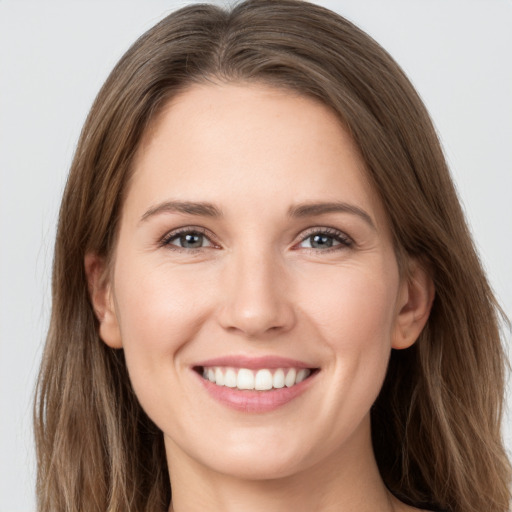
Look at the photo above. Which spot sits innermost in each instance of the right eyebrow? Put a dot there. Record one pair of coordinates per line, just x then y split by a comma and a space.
188, 207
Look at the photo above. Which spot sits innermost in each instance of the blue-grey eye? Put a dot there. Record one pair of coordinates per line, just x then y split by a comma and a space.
189, 240
320, 241
325, 240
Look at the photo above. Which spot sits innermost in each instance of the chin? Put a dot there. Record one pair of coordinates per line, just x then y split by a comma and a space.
260, 457
260, 468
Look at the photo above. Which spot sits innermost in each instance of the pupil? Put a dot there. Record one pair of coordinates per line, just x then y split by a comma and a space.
191, 240
318, 241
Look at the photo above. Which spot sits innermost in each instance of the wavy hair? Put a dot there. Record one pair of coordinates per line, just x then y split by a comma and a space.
436, 422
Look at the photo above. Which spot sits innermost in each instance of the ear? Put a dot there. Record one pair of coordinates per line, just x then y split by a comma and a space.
415, 302
100, 291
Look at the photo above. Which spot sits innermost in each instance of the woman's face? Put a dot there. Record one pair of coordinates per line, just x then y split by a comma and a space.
253, 252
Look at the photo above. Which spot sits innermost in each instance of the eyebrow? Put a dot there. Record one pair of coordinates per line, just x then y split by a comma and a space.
205, 209
315, 209
188, 207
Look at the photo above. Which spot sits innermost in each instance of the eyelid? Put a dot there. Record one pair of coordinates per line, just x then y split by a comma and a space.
170, 235
345, 240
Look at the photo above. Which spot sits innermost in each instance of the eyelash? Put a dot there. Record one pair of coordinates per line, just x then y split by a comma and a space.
343, 240
173, 235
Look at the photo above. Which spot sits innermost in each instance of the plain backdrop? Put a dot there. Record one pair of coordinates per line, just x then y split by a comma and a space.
54, 57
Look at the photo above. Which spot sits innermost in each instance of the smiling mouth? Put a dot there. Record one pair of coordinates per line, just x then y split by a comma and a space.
264, 379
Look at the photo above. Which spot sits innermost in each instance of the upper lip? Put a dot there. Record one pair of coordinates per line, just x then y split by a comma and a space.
254, 363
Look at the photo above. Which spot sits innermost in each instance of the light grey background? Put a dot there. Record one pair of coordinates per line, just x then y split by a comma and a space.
54, 56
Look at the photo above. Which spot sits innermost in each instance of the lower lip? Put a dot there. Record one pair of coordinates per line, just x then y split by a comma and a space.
255, 401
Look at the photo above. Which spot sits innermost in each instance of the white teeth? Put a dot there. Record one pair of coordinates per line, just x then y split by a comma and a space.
263, 380
230, 378
301, 375
219, 377
290, 378
245, 379
278, 379
260, 380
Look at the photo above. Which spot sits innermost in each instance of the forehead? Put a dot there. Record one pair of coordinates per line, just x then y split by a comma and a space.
251, 144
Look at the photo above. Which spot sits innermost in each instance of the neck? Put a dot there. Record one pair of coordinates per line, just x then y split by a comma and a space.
347, 481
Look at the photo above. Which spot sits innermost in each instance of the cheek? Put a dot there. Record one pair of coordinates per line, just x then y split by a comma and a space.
159, 312
354, 308
354, 316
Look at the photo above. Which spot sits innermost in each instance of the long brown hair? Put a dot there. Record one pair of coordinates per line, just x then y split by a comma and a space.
436, 423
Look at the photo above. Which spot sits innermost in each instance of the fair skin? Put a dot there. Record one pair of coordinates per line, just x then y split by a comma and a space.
258, 279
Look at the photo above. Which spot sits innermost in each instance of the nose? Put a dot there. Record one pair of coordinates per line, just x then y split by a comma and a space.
256, 301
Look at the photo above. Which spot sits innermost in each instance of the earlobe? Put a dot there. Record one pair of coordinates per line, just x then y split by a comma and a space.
416, 299
100, 292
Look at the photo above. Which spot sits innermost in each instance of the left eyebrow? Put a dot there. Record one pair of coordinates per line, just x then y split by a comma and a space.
315, 209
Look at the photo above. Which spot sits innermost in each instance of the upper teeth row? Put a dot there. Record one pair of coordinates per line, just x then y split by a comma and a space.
260, 380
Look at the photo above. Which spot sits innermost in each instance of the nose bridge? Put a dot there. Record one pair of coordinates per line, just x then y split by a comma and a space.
256, 301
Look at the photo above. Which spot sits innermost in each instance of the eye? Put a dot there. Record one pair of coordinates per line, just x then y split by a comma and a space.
325, 239
187, 239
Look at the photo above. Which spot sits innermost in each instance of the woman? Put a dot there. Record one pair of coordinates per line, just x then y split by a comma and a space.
265, 294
